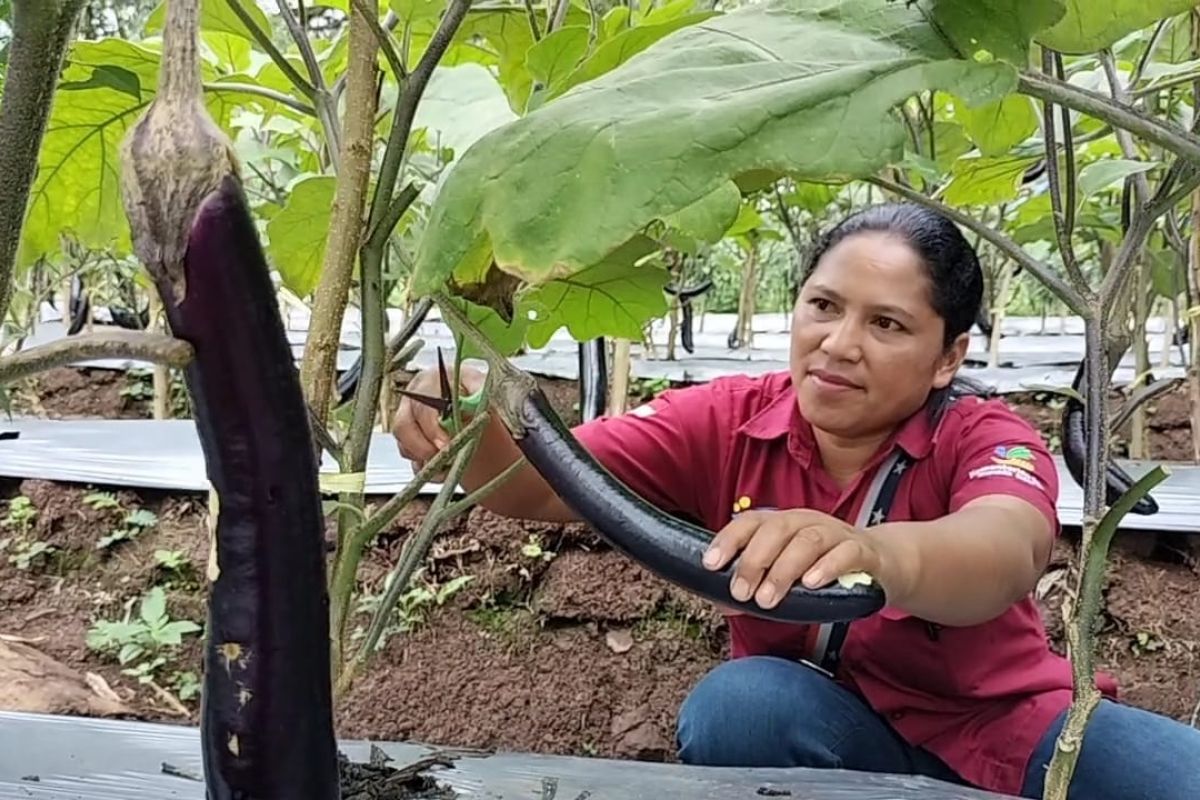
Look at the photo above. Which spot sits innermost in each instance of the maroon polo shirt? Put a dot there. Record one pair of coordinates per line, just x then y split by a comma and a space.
979, 697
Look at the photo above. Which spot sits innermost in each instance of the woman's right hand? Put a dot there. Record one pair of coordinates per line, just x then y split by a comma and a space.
417, 427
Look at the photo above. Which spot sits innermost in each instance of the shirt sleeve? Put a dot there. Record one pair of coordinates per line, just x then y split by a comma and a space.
657, 448
999, 453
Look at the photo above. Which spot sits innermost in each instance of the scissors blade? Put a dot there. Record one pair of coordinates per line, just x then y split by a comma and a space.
436, 403
444, 376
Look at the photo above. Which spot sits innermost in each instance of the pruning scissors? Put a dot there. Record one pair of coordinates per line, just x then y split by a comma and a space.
468, 404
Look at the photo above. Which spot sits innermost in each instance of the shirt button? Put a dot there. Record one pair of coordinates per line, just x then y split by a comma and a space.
897, 715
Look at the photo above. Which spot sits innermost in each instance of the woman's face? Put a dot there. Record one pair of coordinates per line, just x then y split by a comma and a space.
867, 345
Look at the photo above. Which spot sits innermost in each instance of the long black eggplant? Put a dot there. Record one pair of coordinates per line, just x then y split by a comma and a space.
686, 296
1074, 445
670, 547
266, 711
593, 378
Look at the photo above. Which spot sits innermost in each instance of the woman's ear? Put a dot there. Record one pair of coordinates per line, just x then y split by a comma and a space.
951, 360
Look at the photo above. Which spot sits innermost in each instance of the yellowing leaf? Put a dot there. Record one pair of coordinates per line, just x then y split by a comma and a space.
297, 234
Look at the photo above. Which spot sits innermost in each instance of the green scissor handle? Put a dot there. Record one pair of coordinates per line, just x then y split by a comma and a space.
467, 404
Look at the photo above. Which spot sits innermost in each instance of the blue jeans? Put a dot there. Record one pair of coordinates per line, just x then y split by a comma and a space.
771, 712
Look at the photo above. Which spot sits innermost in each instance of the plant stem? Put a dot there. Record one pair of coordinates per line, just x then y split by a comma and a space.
1140, 397
261, 91
40, 31
1063, 218
382, 38
414, 552
1128, 149
345, 567
1076, 301
1166, 136
132, 345
346, 221
322, 99
481, 494
263, 39
1081, 638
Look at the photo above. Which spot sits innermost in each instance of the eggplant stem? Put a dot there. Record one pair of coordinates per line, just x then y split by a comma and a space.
133, 345
482, 493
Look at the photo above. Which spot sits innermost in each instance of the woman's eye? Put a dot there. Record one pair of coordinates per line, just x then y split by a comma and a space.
820, 303
889, 324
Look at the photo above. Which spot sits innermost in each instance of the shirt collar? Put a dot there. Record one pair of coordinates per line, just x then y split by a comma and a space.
782, 417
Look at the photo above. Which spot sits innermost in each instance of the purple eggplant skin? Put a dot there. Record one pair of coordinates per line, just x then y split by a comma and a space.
266, 711
593, 378
667, 546
1074, 446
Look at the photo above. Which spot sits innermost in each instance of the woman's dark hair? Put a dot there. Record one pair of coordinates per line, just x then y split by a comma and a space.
955, 277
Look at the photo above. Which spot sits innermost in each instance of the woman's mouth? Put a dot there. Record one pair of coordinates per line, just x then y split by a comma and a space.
832, 381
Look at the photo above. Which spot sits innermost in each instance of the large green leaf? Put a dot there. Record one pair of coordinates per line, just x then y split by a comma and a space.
709, 218
297, 234
1003, 28
613, 298
624, 46
552, 60
998, 127
106, 87
216, 16
1090, 25
796, 87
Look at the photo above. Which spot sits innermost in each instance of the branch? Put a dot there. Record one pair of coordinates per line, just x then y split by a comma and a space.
36, 48
371, 16
1064, 219
1166, 136
1075, 300
133, 345
264, 41
1143, 395
346, 226
1141, 187
378, 235
322, 99
262, 91
304, 45
531, 15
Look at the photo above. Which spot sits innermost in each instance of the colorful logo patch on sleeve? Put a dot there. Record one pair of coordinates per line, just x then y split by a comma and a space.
1018, 456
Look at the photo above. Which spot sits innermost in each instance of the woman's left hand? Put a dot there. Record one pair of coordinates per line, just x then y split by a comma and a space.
781, 547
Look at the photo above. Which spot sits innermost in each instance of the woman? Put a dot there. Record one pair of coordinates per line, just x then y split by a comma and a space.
865, 455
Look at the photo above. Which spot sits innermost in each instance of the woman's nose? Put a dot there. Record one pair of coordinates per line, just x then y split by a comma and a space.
842, 340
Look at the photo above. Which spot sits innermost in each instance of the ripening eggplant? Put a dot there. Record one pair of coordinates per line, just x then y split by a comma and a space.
670, 547
1074, 446
593, 378
686, 296
266, 714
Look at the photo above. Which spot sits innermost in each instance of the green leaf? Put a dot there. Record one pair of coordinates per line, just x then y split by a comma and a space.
1003, 28
771, 87
77, 188
551, 60
1090, 25
619, 49
297, 234
411, 11
506, 32
1166, 274
233, 53
811, 197
999, 126
507, 337
108, 76
616, 297
154, 606
748, 219
218, 17
460, 105
711, 216
986, 181
1100, 175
